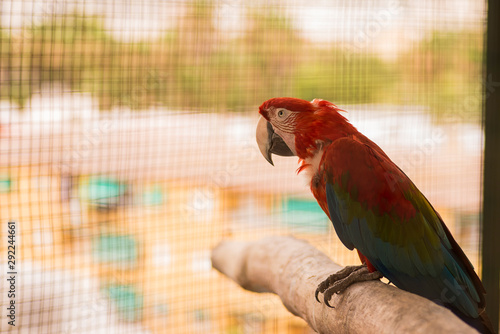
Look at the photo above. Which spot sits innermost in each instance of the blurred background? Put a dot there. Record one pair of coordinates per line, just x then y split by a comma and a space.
127, 145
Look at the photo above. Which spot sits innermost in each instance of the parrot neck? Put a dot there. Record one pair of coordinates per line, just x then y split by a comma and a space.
314, 135
316, 131
310, 164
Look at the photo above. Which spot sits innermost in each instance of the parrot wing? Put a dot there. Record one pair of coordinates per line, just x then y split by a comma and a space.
375, 208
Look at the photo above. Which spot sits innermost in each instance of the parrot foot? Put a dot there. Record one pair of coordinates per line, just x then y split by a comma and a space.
342, 279
339, 275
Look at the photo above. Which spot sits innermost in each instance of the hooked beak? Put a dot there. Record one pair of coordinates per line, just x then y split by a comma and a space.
269, 142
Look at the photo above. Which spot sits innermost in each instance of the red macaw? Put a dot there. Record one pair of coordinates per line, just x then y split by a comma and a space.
374, 207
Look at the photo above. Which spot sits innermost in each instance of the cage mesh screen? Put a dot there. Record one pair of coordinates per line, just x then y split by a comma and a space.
127, 146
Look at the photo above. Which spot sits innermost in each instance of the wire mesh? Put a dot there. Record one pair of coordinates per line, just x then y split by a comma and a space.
127, 145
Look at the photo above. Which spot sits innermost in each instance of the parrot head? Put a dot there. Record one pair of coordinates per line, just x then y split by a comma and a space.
295, 127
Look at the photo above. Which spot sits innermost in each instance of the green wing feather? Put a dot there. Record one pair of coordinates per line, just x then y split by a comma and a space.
376, 208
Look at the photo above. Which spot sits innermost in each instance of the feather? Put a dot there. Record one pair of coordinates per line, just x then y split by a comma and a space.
410, 248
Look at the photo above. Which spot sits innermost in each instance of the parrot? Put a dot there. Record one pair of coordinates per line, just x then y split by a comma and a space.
374, 207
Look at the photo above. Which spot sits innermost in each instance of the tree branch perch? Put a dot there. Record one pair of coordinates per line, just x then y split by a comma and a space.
292, 269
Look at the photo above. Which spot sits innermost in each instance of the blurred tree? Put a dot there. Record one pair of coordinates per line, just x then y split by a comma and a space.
196, 40
274, 50
196, 66
446, 67
345, 78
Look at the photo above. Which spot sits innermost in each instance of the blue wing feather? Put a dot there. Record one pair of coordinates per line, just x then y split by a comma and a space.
437, 276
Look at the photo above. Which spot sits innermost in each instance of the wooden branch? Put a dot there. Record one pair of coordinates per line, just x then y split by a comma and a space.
292, 269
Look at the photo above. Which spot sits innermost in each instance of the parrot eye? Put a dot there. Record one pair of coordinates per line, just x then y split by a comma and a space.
282, 113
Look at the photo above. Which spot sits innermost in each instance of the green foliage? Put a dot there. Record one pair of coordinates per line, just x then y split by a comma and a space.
195, 66
447, 69
344, 78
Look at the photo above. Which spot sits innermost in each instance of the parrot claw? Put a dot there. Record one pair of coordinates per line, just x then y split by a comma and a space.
316, 295
341, 274
327, 303
342, 279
